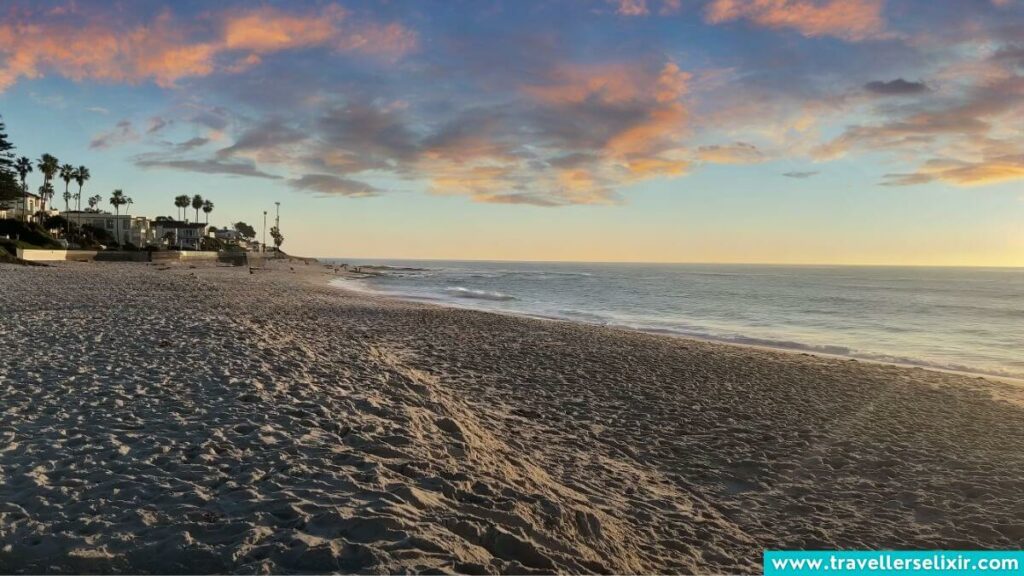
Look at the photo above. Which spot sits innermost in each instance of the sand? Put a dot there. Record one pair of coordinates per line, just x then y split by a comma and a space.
179, 419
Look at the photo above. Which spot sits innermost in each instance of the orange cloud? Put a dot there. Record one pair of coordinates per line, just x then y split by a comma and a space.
156, 52
164, 50
959, 173
271, 30
609, 83
846, 19
736, 153
662, 126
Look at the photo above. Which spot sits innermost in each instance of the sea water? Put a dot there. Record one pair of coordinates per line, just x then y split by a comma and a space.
964, 319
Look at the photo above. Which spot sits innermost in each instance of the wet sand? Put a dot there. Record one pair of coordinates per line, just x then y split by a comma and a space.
178, 419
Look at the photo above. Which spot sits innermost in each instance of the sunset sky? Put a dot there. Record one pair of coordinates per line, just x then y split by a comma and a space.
797, 131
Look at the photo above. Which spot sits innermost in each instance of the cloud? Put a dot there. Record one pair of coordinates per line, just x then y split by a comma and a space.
191, 144
851, 20
968, 120
801, 175
265, 30
736, 153
897, 87
166, 50
205, 166
122, 133
960, 173
332, 185
669, 7
266, 141
156, 124
389, 41
631, 7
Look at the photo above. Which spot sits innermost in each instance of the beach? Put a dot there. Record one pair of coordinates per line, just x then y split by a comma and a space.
178, 418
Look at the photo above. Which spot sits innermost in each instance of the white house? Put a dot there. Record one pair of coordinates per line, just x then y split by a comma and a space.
16, 208
186, 235
134, 229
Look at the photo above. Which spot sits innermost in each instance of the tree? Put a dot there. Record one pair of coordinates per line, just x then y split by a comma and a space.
49, 166
8, 167
7, 162
207, 208
197, 203
94, 201
45, 191
24, 167
81, 176
117, 200
276, 235
9, 190
181, 202
247, 232
67, 173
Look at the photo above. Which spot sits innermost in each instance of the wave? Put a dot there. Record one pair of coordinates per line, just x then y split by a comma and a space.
460, 292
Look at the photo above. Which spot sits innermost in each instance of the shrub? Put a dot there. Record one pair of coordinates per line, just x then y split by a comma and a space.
28, 232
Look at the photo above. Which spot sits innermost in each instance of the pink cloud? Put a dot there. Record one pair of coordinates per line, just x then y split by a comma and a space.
847, 19
165, 50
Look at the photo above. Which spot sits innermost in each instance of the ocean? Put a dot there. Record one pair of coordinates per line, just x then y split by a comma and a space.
963, 319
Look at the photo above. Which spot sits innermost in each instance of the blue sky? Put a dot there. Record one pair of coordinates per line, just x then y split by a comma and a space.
804, 131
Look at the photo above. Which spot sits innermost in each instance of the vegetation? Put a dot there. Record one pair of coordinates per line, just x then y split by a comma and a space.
197, 203
247, 232
94, 201
49, 166
81, 176
8, 167
24, 167
117, 200
67, 174
207, 208
182, 203
31, 234
207, 243
277, 236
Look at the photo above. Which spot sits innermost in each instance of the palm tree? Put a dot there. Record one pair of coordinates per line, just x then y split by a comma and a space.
182, 202
49, 166
207, 208
81, 175
24, 166
45, 191
117, 200
67, 173
197, 203
94, 201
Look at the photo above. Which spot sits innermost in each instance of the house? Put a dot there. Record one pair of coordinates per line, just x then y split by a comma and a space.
185, 235
231, 237
136, 230
16, 208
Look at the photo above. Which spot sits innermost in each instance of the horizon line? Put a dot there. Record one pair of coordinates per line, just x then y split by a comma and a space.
681, 262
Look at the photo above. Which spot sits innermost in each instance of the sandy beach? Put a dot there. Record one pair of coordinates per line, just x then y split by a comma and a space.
196, 419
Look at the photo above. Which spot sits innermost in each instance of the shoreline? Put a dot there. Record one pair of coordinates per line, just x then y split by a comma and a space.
345, 283
205, 419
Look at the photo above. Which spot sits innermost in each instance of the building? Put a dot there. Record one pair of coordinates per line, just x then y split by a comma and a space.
16, 208
175, 233
136, 230
231, 237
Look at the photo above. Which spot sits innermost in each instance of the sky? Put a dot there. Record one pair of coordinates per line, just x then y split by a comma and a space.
763, 131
